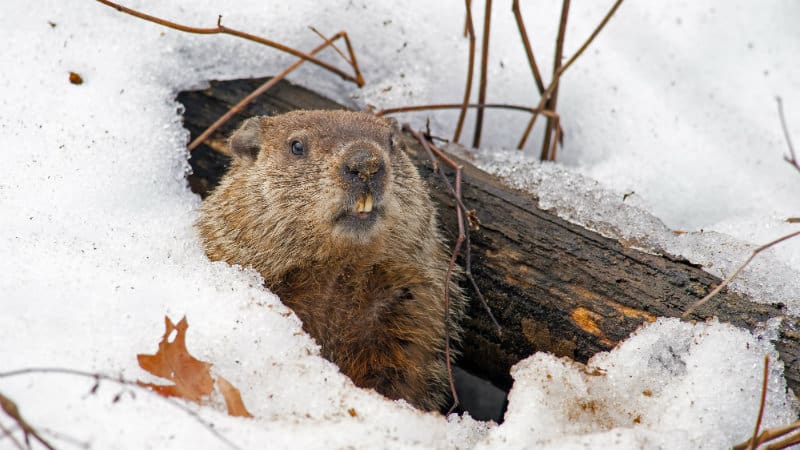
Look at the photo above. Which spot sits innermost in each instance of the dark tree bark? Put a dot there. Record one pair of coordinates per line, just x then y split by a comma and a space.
553, 286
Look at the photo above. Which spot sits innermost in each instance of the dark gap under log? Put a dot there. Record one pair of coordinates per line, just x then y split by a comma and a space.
553, 286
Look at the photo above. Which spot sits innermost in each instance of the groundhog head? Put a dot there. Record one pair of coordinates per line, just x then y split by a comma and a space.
331, 172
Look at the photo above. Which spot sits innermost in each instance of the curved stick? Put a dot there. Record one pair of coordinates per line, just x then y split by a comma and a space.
220, 29
725, 282
260, 90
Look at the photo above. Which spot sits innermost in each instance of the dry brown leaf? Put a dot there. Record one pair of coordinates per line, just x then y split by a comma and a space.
75, 78
233, 399
191, 377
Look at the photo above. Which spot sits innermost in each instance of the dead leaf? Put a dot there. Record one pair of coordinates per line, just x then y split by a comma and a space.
74, 78
191, 377
352, 412
233, 399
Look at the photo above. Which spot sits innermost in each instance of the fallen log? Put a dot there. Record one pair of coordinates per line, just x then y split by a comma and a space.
553, 286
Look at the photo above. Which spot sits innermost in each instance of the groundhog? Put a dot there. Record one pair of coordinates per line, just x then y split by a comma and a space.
329, 209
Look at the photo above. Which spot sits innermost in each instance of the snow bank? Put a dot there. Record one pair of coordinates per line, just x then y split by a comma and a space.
670, 385
97, 241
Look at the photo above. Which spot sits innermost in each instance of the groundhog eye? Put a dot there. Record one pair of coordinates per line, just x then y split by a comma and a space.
297, 148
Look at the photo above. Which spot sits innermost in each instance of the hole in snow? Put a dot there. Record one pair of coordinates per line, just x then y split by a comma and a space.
209, 162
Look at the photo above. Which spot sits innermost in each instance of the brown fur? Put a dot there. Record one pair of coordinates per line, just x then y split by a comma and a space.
372, 296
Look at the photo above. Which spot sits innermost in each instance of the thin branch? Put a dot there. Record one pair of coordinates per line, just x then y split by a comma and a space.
7, 433
528, 49
791, 159
564, 68
220, 29
466, 21
402, 109
552, 100
487, 21
558, 138
434, 153
786, 443
11, 409
260, 90
119, 380
450, 269
468, 247
753, 440
470, 70
771, 434
727, 280
449, 276
333, 46
769, 438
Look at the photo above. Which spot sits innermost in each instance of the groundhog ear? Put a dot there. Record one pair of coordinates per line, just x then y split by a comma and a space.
246, 140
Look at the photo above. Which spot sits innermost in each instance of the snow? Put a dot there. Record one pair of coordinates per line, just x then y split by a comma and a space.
657, 379
97, 241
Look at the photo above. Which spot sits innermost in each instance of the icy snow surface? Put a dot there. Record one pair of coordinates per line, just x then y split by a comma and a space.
674, 101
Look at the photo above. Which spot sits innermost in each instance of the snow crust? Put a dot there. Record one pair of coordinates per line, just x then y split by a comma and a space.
97, 242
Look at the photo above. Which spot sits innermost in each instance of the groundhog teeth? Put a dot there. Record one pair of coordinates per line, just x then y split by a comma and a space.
360, 204
368, 203
364, 203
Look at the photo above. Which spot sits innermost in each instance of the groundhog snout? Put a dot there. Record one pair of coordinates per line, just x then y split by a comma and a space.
363, 170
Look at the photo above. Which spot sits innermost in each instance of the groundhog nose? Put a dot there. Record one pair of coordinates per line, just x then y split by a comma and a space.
363, 166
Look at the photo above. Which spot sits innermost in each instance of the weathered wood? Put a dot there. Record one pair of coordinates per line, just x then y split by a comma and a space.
553, 286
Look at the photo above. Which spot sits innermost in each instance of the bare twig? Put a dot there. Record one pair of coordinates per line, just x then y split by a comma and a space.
435, 155
333, 46
760, 416
10, 408
771, 434
465, 229
7, 433
564, 68
438, 153
730, 278
487, 20
261, 89
558, 138
466, 21
450, 267
402, 109
119, 380
220, 29
791, 159
552, 100
786, 443
470, 69
528, 49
